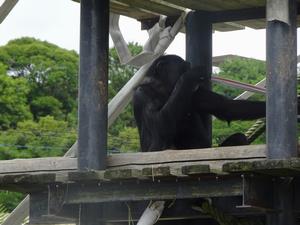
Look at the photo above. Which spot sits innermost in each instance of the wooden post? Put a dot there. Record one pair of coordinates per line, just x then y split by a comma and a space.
282, 99
93, 82
282, 83
38, 206
93, 94
199, 50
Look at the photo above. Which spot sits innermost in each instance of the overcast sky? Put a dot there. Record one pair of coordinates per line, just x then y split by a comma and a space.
57, 21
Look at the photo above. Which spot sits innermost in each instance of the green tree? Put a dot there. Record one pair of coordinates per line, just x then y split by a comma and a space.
48, 69
13, 100
10, 200
47, 137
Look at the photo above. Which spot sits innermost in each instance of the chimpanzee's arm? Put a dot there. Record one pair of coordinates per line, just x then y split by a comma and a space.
160, 107
227, 109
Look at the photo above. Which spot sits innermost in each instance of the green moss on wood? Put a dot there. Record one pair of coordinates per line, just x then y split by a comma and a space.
195, 169
122, 174
276, 167
163, 171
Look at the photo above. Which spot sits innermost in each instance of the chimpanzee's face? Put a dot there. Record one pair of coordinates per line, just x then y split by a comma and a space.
170, 68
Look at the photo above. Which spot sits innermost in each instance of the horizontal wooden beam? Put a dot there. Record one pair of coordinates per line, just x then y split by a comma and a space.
209, 156
38, 165
147, 190
220, 16
214, 157
276, 167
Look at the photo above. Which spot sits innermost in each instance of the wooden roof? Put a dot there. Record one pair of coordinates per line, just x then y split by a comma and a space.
145, 10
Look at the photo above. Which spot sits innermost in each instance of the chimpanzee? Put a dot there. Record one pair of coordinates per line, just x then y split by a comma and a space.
172, 102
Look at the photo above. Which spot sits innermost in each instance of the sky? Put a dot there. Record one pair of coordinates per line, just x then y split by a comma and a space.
57, 21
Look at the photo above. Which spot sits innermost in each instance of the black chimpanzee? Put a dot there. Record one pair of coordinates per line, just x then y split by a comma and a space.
171, 102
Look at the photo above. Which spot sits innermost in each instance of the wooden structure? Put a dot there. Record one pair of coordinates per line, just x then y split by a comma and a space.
248, 181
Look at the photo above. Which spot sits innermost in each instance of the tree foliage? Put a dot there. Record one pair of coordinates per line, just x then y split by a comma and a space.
30, 139
13, 100
48, 70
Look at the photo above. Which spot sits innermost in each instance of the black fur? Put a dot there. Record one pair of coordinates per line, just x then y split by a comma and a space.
171, 103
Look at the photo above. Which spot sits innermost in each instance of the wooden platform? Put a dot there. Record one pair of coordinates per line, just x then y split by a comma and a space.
240, 176
250, 13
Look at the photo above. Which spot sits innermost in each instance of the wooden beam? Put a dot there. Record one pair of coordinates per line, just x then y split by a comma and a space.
18, 215
152, 7
192, 155
38, 165
6, 7
276, 167
148, 190
196, 156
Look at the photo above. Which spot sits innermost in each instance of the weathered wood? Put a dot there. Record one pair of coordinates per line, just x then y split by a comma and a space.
163, 190
199, 53
93, 84
211, 156
288, 167
52, 164
191, 155
49, 224
38, 206
28, 178
26, 183
193, 170
157, 172
86, 176
222, 11
281, 105
6, 7
153, 7
258, 192
122, 174
18, 215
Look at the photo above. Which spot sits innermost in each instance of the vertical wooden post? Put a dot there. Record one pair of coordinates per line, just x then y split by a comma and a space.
38, 206
282, 84
199, 50
93, 94
282, 99
93, 82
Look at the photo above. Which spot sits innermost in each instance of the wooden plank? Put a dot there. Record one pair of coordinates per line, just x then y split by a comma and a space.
122, 174
227, 26
255, 24
125, 10
168, 189
157, 172
215, 157
192, 170
51, 164
86, 176
152, 7
191, 155
18, 215
27, 178
286, 167
215, 5
38, 206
